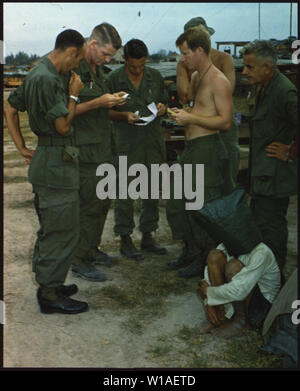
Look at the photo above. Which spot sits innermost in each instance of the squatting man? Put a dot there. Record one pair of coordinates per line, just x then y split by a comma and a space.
231, 283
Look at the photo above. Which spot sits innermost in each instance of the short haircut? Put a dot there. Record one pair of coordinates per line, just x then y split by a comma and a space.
195, 37
263, 50
135, 48
105, 34
69, 38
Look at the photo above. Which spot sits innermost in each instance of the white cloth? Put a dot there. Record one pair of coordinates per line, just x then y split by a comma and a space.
260, 268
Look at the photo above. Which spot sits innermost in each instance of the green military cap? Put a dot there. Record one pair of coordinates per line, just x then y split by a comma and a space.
194, 22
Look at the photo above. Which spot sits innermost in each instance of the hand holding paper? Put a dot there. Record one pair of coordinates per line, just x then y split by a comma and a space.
146, 120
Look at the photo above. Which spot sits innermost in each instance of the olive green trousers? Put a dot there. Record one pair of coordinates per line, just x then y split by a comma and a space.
270, 216
147, 151
230, 167
58, 214
93, 211
207, 150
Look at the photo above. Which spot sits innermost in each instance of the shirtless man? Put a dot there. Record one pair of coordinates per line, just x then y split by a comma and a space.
212, 112
224, 62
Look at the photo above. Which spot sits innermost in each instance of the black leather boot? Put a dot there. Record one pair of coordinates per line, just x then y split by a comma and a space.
194, 269
185, 259
129, 250
148, 244
50, 301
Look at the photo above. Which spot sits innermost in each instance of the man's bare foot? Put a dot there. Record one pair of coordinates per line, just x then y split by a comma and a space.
231, 328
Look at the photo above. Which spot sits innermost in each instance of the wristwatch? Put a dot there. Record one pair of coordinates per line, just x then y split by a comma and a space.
74, 98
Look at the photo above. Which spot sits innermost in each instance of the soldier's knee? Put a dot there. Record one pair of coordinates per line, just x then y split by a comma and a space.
232, 268
215, 258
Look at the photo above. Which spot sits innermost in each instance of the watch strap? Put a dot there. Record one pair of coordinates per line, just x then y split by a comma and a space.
74, 98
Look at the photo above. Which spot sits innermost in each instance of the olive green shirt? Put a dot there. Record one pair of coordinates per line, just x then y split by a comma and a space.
274, 117
44, 96
93, 129
151, 89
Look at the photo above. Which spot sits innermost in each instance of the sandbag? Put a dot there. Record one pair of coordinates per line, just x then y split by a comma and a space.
229, 220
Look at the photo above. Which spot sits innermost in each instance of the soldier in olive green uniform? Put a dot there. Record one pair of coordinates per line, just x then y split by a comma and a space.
230, 167
141, 144
273, 118
53, 171
94, 139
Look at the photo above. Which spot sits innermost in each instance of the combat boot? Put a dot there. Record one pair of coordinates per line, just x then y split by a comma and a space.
194, 269
185, 259
87, 271
98, 257
148, 244
50, 301
129, 250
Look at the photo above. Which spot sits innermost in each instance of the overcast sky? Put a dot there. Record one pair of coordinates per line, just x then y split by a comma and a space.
33, 27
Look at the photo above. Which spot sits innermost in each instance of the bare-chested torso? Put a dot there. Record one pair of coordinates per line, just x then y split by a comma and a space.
202, 94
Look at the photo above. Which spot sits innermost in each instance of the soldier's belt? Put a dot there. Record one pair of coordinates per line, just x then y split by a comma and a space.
51, 141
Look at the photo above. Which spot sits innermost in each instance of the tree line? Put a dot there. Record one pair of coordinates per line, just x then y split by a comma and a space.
20, 58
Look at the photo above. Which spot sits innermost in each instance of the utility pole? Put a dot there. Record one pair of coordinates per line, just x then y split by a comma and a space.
258, 20
291, 13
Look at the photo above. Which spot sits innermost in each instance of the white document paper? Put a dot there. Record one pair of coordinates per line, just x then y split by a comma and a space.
152, 107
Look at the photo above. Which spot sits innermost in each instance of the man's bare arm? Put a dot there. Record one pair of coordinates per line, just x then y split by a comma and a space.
107, 100
183, 83
13, 125
63, 124
229, 71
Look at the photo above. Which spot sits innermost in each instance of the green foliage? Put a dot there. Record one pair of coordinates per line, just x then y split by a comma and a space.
21, 58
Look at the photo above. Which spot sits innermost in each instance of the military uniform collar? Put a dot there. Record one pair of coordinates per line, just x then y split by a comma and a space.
85, 66
51, 67
146, 75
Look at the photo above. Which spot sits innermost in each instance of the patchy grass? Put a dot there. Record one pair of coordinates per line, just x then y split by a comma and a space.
14, 179
15, 164
246, 353
147, 285
13, 155
22, 204
208, 351
160, 350
189, 349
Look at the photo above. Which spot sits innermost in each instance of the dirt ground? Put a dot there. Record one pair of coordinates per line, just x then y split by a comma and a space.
108, 335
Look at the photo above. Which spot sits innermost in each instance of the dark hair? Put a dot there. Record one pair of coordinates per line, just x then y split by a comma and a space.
135, 48
195, 37
69, 38
105, 34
